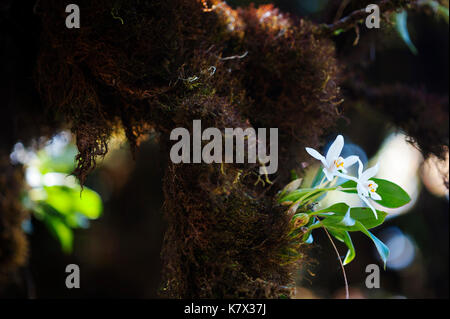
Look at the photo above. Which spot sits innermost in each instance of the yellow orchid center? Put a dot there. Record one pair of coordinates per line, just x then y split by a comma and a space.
339, 163
372, 187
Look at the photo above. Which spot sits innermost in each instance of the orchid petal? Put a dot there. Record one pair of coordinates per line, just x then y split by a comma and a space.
375, 196
328, 174
370, 172
335, 149
344, 176
347, 220
316, 155
349, 161
365, 200
362, 191
360, 168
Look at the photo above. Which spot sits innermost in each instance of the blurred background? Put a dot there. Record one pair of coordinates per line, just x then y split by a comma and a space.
116, 237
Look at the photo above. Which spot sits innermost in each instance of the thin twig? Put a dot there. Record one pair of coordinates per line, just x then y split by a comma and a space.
341, 9
355, 17
235, 57
347, 295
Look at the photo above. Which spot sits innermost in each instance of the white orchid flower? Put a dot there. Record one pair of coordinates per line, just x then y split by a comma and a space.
333, 162
367, 188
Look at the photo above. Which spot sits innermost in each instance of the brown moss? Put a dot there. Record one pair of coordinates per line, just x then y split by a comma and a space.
13, 243
292, 77
159, 65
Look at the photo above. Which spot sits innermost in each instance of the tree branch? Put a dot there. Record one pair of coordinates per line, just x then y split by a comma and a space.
355, 17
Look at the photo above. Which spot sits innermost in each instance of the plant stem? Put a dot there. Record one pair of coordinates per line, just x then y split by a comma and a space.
347, 295
322, 184
319, 191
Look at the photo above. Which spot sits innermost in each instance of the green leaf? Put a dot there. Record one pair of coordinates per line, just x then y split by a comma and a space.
295, 195
69, 201
392, 195
318, 177
308, 238
349, 184
382, 249
338, 31
401, 19
439, 9
363, 215
344, 237
60, 231
339, 208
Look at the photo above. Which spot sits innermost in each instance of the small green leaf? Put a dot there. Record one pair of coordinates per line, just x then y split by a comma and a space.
60, 231
401, 19
392, 195
338, 31
363, 215
344, 237
339, 208
297, 194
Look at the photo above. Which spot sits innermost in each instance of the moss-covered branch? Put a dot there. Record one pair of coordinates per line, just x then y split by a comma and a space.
357, 16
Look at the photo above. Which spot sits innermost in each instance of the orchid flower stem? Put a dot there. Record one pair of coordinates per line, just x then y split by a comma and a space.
347, 295
322, 184
320, 191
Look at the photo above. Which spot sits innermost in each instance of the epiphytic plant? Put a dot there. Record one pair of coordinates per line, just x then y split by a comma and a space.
340, 219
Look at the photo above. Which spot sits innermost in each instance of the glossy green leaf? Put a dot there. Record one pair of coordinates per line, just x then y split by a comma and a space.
362, 214
392, 195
